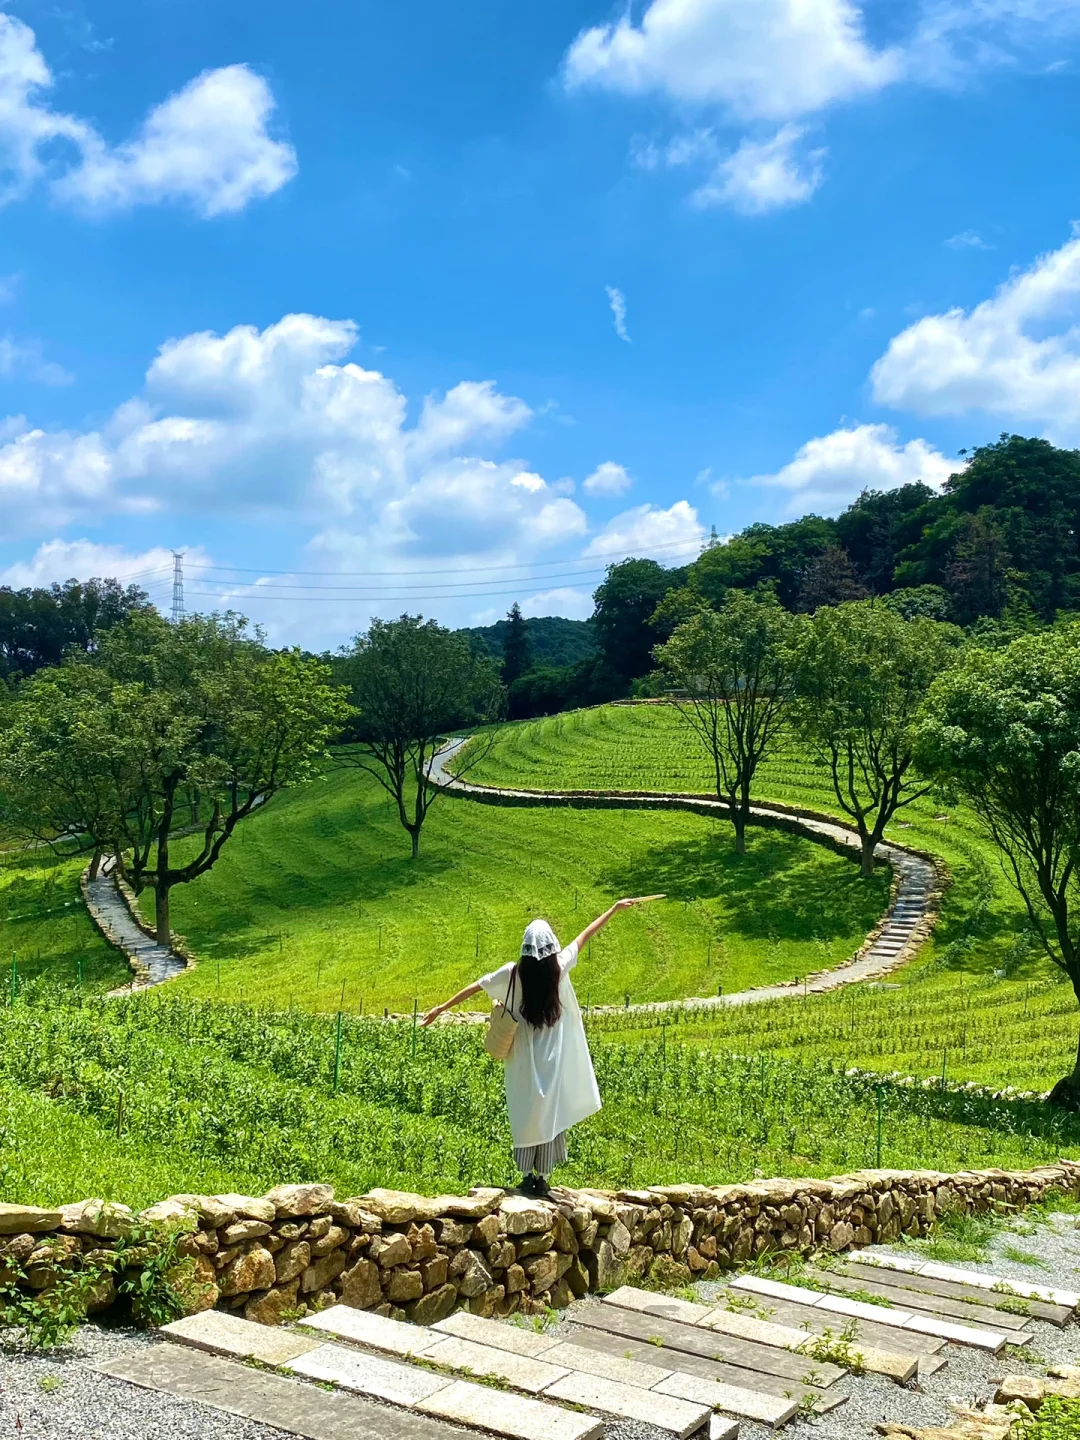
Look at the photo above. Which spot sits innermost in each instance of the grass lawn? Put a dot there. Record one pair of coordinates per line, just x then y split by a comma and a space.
44, 925
316, 902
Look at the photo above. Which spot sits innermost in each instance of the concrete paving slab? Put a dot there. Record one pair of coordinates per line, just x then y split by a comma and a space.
287, 1405
746, 1404
890, 1363
681, 1417
721, 1428
221, 1334
975, 1336
495, 1332
758, 1285
649, 1302
515, 1416
521, 1371
375, 1331
368, 1375
980, 1279
911, 1285
920, 1301
587, 1361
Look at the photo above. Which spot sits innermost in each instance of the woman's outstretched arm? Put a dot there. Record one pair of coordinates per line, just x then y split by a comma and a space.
466, 994
601, 920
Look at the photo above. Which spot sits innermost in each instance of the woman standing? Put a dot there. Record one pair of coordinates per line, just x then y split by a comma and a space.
550, 1083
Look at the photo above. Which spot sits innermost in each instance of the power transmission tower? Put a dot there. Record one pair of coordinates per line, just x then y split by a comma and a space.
178, 587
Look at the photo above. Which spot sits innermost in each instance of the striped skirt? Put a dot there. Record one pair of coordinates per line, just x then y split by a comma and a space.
541, 1159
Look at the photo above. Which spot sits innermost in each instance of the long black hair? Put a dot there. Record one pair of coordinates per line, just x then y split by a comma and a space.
540, 1005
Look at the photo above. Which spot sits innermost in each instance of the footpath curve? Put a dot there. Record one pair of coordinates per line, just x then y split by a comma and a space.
918, 884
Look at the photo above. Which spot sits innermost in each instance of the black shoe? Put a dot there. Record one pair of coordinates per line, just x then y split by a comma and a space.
534, 1186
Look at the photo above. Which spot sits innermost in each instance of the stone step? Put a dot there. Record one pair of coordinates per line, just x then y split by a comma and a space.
620, 1348
485, 1362
951, 1289
667, 1335
767, 1409
285, 1405
977, 1337
626, 1402
977, 1278
370, 1375
918, 1301
515, 1416
927, 1349
895, 1366
361, 1327
219, 1333
493, 1332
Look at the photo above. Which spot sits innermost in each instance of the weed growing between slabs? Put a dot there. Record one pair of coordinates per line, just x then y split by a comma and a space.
204, 1095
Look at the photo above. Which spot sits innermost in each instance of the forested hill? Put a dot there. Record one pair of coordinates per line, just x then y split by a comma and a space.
552, 640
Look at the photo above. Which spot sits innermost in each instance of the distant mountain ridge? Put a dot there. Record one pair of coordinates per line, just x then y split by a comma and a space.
553, 640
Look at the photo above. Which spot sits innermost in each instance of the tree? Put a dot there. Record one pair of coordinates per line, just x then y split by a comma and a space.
736, 666
830, 579
39, 627
763, 554
625, 604
1003, 730
127, 747
413, 682
862, 672
517, 652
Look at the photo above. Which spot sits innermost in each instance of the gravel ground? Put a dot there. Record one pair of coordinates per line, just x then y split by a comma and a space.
57, 1397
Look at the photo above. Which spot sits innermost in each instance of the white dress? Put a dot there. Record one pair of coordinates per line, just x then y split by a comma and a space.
550, 1084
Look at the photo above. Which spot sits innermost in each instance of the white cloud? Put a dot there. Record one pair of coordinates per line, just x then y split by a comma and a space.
829, 471
1016, 355
278, 424
674, 535
759, 59
617, 301
567, 601
60, 560
207, 145
607, 479
25, 358
967, 240
761, 175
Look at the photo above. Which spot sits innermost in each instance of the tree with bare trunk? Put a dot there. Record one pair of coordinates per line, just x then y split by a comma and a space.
163, 724
735, 667
861, 675
412, 683
1002, 731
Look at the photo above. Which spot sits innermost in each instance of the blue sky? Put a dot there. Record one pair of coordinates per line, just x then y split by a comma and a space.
371, 308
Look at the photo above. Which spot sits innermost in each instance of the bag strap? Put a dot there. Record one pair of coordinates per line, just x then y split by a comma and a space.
510, 989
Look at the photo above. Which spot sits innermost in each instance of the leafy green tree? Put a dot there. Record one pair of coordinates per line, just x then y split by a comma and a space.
736, 666
625, 604
166, 728
1002, 729
862, 673
776, 555
517, 652
830, 579
878, 525
413, 683
38, 627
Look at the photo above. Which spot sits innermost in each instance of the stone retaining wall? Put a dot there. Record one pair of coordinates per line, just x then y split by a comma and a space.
495, 1253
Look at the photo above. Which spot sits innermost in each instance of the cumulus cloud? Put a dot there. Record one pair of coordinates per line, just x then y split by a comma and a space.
607, 479
24, 359
60, 560
760, 175
617, 301
760, 59
674, 535
748, 63
209, 145
278, 423
1015, 355
565, 600
829, 471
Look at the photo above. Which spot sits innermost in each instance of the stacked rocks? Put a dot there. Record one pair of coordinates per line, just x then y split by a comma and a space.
298, 1249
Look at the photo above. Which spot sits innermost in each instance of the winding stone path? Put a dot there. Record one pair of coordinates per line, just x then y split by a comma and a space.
906, 924
152, 963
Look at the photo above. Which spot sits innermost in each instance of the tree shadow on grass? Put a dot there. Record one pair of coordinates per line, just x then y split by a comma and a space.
783, 888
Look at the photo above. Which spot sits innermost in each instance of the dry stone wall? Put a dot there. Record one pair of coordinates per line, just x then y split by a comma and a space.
416, 1258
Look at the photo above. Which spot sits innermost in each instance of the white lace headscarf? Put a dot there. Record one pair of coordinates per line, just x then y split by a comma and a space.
539, 941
